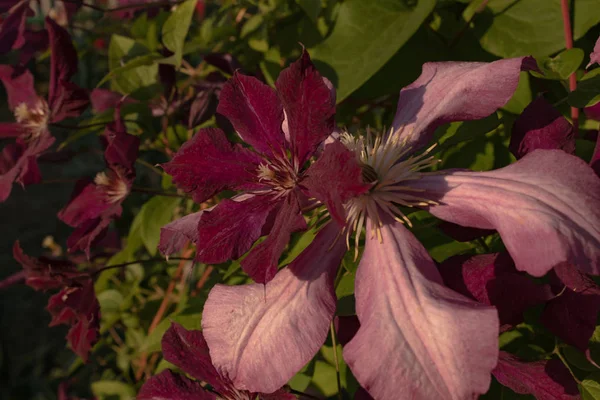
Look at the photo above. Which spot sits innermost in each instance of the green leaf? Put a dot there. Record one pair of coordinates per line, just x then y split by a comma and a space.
312, 8
156, 213
123, 50
251, 25
110, 301
595, 345
107, 389
366, 35
513, 28
590, 387
588, 90
145, 60
176, 28
561, 66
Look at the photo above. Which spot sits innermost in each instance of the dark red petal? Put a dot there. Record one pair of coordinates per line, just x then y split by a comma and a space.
37, 41
189, 352
69, 101
209, 163
493, 280
541, 126
229, 230
261, 263
346, 327
546, 380
86, 234
255, 112
13, 27
176, 234
224, 61
19, 86
595, 162
309, 103
121, 147
8, 130
63, 60
104, 99
92, 202
168, 385
335, 178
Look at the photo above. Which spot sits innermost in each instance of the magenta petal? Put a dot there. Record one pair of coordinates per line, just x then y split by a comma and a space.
255, 112
188, 351
176, 234
454, 91
168, 385
261, 263
546, 380
229, 230
208, 164
541, 126
493, 280
104, 99
335, 178
13, 27
121, 147
69, 101
63, 60
261, 335
595, 161
545, 207
11, 130
417, 337
595, 55
309, 103
19, 86
90, 203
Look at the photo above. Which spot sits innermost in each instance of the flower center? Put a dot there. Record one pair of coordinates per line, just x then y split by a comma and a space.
385, 161
114, 186
34, 119
280, 175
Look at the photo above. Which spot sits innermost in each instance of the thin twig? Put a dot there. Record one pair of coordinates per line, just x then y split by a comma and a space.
137, 6
566, 364
149, 260
335, 360
149, 166
564, 7
158, 192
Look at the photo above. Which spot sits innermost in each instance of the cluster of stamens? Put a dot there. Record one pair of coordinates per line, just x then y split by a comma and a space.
387, 164
34, 119
279, 174
114, 186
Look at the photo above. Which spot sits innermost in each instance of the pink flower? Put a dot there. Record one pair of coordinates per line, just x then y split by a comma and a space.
95, 204
33, 113
417, 336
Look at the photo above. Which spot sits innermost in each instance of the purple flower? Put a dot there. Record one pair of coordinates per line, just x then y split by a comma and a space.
285, 127
595, 55
33, 113
188, 351
95, 204
417, 336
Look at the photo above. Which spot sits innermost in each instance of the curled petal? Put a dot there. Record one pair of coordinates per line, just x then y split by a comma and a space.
19, 86
546, 380
255, 112
87, 234
454, 91
545, 207
13, 27
104, 99
595, 162
541, 126
309, 103
417, 337
92, 202
595, 55
168, 385
63, 60
208, 164
176, 234
261, 335
121, 147
70, 101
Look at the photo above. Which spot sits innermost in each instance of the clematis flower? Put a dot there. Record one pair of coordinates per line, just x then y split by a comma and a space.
284, 127
595, 54
95, 204
75, 304
33, 113
416, 336
188, 351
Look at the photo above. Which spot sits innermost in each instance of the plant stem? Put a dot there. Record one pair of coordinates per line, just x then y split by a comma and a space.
564, 7
483, 244
158, 192
125, 7
566, 364
335, 359
150, 166
149, 260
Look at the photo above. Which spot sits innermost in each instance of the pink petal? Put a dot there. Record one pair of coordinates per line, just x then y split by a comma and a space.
309, 103
417, 337
335, 178
63, 60
19, 86
261, 263
545, 207
593, 112
595, 161
595, 55
255, 112
208, 164
454, 91
231, 228
546, 380
8, 130
168, 385
261, 335
541, 126
175, 235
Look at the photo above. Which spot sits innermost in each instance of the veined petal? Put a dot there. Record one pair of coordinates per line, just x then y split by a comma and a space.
13, 27
541, 126
63, 60
70, 100
90, 203
261, 263
11, 129
255, 112
309, 102
545, 207
417, 337
261, 335
454, 91
19, 86
209, 163
170, 386
595, 55
176, 234
231, 228
121, 148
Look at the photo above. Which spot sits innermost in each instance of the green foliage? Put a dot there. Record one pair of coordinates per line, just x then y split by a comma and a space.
176, 29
